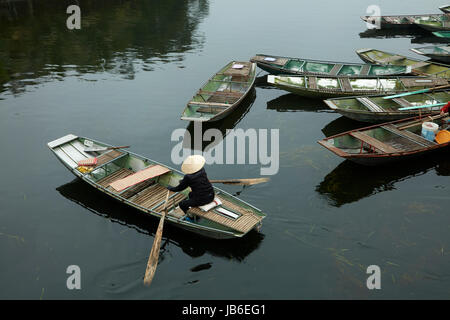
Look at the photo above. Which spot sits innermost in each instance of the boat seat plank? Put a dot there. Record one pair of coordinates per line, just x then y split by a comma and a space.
373, 142
80, 147
213, 110
150, 196
242, 72
365, 70
346, 86
410, 136
73, 153
121, 173
244, 223
150, 172
409, 83
173, 202
370, 105
336, 68
222, 93
69, 161
108, 156
312, 84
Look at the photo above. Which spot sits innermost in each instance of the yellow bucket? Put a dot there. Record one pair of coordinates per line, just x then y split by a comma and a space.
443, 136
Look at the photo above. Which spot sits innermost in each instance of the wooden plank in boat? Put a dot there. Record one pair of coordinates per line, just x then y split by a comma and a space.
409, 135
243, 72
408, 83
373, 142
370, 105
213, 110
140, 176
108, 156
62, 140
346, 86
312, 82
72, 152
69, 161
336, 69
121, 173
222, 93
365, 70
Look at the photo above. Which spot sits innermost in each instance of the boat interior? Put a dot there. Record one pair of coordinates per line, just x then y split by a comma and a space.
389, 138
378, 104
143, 182
223, 90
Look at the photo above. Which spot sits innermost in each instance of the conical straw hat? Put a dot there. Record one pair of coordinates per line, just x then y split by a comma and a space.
192, 164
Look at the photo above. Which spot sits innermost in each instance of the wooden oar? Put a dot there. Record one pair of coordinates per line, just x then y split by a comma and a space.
154, 253
424, 106
242, 182
416, 92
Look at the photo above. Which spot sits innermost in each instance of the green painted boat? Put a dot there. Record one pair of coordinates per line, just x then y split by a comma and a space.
387, 142
297, 66
419, 67
434, 24
222, 93
442, 34
329, 87
378, 109
147, 189
400, 21
440, 53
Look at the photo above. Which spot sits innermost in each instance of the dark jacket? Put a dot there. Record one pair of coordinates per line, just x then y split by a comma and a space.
202, 189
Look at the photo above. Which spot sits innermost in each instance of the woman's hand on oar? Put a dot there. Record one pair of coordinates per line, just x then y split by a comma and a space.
241, 182
154, 253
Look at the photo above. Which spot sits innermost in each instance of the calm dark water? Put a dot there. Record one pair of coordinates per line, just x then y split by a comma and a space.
124, 78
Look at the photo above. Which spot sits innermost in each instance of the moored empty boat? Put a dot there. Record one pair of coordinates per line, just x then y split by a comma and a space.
388, 142
419, 67
221, 94
399, 21
328, 87
440, 53
141, 183
299, 66
379, 109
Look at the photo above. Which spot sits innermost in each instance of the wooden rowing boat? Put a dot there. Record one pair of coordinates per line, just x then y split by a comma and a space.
441, 23
418, 67
141, 183
440, 53
329, 87
387, 142
298, 66
378, 109
222, 93
400, 21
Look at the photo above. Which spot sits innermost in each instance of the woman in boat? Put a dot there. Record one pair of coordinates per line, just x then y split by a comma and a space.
202, 190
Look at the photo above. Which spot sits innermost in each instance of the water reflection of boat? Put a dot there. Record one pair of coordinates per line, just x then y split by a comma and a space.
294, 103
222, 125
416, 36
341, 124
193, 245
350, 182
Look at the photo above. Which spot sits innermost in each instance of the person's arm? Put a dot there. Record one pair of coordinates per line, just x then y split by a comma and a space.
183, 185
